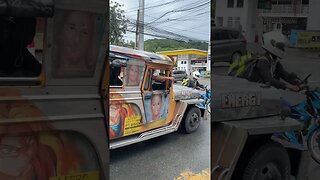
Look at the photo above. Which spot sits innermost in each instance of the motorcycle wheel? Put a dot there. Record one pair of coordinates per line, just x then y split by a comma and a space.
314, 145
209, 107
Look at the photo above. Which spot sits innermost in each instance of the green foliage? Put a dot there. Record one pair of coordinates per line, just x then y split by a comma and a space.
156, 45
118, 24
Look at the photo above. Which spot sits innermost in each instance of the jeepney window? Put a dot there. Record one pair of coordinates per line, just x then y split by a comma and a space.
21, 42
148, 79
116, 76
159, 82
134, 73
76, 40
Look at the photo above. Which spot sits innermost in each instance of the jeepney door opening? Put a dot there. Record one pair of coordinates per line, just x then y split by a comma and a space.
156, 96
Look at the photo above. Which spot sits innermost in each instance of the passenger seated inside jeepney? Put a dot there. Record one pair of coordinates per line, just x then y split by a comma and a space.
115, 76
15, 58
159, 80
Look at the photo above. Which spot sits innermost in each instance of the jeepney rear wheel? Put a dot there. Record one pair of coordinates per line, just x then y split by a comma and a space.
270, 162
191, 121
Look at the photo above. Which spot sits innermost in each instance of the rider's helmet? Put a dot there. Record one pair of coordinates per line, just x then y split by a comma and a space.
275, 42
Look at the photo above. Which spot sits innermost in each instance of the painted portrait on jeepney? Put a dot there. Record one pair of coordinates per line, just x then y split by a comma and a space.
156, 106
76, 43
124, 118
134, 72
35, 150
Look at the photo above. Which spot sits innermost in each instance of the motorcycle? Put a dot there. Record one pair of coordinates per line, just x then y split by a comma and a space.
206, 104
206, 97
306, 112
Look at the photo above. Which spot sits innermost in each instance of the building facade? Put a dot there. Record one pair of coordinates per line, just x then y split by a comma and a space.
255, 17
189, 59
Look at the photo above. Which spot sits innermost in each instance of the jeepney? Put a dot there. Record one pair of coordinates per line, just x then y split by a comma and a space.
53, 100
142, 107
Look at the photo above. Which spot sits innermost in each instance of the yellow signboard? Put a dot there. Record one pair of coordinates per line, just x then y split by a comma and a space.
132, 125
308, 39
94, 175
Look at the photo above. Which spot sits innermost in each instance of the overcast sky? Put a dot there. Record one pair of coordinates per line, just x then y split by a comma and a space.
193, 21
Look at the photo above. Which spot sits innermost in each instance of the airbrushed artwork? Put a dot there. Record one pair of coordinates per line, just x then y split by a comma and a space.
156, 106
36, 150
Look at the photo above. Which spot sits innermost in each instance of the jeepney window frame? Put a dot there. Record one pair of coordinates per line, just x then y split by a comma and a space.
146, 82
118, 87
100, 57
25, 80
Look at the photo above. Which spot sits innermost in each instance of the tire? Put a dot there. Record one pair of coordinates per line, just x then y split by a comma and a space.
209, 108
314, 145
235, 56
271, 161
191, 121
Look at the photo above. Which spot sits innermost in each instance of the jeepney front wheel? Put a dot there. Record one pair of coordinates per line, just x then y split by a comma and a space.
191, 121
270, 162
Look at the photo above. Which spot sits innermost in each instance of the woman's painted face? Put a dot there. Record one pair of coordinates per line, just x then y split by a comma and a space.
114, 114
76, 35
133, 74
15, 156
156, 104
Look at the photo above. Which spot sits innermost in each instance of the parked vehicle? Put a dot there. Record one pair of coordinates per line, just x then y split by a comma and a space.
306, 112
52, 105
227, 44
142, 107
179, 75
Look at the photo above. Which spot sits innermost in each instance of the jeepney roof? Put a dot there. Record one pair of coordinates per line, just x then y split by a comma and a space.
128, 53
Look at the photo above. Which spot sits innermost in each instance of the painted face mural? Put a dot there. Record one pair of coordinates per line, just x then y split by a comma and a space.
35, 150
124, 118
133, 75
156, 105
74, 43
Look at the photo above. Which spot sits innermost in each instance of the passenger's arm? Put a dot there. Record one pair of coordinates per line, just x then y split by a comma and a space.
265, 72
161, 78
290, 78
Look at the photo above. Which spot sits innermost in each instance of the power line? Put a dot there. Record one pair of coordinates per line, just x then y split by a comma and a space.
181, 10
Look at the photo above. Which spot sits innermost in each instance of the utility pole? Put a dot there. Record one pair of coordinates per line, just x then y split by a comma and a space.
141, 25
137, 31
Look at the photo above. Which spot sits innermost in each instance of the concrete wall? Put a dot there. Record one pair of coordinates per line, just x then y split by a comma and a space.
223, 11
313, 19
248, 16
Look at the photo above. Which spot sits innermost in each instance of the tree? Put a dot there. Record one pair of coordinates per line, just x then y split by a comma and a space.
118, 24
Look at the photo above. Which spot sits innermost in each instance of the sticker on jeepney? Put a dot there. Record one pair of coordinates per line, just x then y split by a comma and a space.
132, 125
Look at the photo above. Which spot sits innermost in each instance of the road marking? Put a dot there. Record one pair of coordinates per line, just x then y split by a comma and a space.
189, 175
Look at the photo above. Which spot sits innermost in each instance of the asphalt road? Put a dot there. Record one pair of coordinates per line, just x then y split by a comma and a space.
171, 156
301, 62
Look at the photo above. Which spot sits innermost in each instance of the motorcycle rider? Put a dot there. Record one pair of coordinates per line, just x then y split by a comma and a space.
268, 68
192, 82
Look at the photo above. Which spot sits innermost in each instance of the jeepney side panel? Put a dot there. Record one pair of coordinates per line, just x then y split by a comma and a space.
127, 115
168, 101
52, 128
